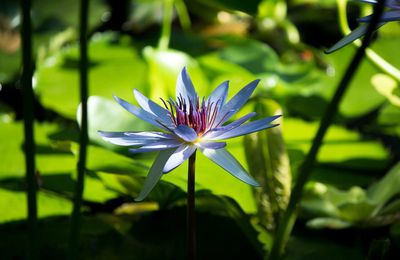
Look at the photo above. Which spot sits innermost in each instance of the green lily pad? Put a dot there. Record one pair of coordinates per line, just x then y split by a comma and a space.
55, 165
341, 146
107, 115
115, 68
49, 158
14, 205
164, 68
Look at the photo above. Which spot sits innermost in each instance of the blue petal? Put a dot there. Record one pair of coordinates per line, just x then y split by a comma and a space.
154, 174
153, 108
355, 34
238, 122
133, 138
393, 4
142, 114
219, 94
224, 159
220, 130
156, 146
178, 157
184, 87
186, 133
150, 134
388, 16
211, 145
369, 1
236, 103
247, 128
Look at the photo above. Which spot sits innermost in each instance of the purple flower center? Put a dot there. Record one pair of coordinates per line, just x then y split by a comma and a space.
199, 116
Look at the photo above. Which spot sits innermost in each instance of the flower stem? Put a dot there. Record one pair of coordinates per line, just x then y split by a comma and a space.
28, 109
285, 226
191, 213
183, 14
83, 139
166, 25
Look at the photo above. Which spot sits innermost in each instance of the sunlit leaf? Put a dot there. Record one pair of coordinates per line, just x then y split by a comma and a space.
114, 69
107, 115
13, 205
341, 147
50, 159
164, 67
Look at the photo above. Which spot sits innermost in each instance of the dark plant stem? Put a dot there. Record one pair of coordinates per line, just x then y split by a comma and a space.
83, 139
27, 91
191, 213
288, 219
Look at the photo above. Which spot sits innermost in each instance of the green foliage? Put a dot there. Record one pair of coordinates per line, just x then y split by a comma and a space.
164, 66
105, 114
115, 68
341, 147
350, 189
249, 6
341, 209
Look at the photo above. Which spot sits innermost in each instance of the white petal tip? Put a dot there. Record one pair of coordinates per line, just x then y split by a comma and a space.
116, 98
167, 169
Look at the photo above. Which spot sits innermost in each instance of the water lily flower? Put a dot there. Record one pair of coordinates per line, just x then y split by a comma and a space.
189, 124
392, 14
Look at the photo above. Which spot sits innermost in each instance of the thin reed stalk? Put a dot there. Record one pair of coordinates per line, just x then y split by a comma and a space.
83, 139
28, 110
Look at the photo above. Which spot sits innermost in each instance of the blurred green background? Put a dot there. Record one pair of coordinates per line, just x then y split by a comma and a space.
351, 203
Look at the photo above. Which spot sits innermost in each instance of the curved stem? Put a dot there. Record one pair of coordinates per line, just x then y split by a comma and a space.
305, 168
166, 25
372, 56
28, 109
191, 213
183, 14
83, 139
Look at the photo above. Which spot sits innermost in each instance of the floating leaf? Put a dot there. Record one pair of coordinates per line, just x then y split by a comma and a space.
107, 115
344, 148
164, 67
13, 205
114, 69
